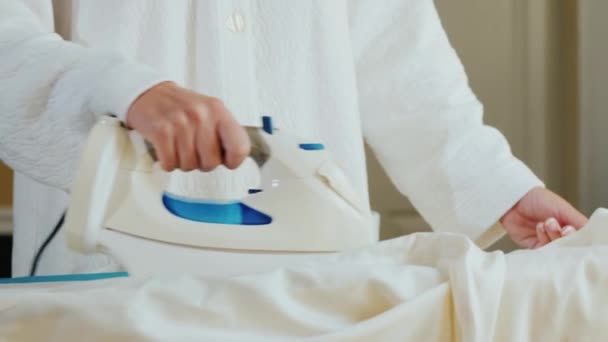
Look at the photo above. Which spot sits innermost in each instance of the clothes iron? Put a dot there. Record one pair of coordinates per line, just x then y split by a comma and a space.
303, 207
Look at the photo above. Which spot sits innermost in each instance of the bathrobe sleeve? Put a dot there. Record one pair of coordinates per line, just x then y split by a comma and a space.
51, 91
424, 123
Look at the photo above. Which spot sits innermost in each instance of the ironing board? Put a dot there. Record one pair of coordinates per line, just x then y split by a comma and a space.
422, 287
63, 278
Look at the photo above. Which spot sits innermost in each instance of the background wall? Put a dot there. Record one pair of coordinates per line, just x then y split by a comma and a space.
593, 102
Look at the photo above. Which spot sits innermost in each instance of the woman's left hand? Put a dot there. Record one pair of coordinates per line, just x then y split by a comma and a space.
540, 217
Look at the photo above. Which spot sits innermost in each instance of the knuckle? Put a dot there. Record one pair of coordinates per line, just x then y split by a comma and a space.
164, 131
191, 163
196, 107
168, 164
180, 120
232, 165
197, 112
238, 155
215, 105
187, 156
210, 163
242, 150
208, 168
196, 116
188, 167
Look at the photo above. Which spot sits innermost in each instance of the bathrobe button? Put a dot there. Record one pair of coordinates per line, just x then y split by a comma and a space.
236, 22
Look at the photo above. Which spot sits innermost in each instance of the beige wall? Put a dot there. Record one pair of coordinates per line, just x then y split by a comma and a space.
6, 186
593, 104
563, 115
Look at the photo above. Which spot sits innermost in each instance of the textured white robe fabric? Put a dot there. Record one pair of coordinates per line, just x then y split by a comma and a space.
332, 71
423, 287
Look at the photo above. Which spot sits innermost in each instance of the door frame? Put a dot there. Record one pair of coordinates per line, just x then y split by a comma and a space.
593, 83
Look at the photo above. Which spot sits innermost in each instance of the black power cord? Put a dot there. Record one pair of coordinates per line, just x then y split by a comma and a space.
46, 243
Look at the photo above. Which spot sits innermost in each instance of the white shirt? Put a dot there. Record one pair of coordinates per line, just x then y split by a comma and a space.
334, 71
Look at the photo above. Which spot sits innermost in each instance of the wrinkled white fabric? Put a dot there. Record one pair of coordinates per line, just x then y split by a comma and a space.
424, 287
330, 71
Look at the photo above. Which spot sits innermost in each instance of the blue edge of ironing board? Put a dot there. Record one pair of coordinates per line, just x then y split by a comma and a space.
63, 278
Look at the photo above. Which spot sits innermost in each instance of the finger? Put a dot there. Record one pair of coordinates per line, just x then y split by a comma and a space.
163, 143
208, 147
568, 230
235, 142
185, 143
553, 229
572, 217
543, 238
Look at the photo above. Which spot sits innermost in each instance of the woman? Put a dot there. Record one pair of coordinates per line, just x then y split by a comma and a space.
333, 70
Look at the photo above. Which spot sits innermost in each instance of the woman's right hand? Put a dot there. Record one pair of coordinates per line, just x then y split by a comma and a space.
189, 131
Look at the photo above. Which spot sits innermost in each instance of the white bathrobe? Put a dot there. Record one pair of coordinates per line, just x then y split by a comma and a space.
334, 71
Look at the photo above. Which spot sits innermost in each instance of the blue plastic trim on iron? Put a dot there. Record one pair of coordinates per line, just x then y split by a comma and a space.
63, 278
312, 147
235, 213
267, 124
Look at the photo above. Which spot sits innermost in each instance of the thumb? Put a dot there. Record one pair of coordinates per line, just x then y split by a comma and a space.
569, 216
